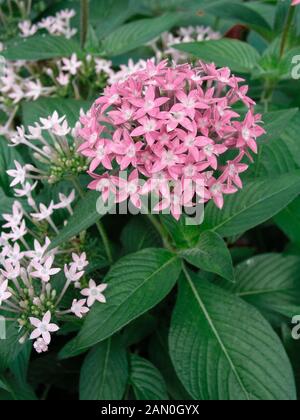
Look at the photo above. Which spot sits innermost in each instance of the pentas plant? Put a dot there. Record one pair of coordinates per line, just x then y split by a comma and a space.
174, 130
31, 294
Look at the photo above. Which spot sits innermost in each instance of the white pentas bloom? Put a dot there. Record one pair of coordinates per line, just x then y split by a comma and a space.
28, 266
55, 150
71, 65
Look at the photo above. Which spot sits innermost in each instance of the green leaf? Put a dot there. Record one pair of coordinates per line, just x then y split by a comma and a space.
211, 254
104, 374
256, 203
136, 284
289, 221
133, 35
88, 211
238, 55
277, 122
270, 282
138, 234
146, 380
278, 155
43, 107
223, 349
40, 47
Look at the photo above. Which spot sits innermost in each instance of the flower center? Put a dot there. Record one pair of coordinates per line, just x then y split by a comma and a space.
190, 141
209, 149
131, 151
43, 328
216, 189
94, 292
150, 126
132, 188
101, 152
246, 134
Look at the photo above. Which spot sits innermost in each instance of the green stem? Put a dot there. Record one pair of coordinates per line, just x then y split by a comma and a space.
268, 94
84, 21
105, 241
99, 225
29, 6
161, 230
286, 30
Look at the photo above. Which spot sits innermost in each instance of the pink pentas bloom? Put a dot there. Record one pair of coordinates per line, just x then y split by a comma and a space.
295, 2
168, 124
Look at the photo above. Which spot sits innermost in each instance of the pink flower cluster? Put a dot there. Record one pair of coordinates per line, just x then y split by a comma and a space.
295, 2
168, 125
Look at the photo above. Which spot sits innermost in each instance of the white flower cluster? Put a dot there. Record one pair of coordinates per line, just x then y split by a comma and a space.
163, 46
28, 264
54, 147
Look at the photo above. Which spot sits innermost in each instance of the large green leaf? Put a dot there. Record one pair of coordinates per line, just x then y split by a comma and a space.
136, 284
279, 148
211, 254
104, 374
146, 380
40, 47
237, 55
137, 33
256, 203
223, 349
88, 211
289, 221
271, 282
